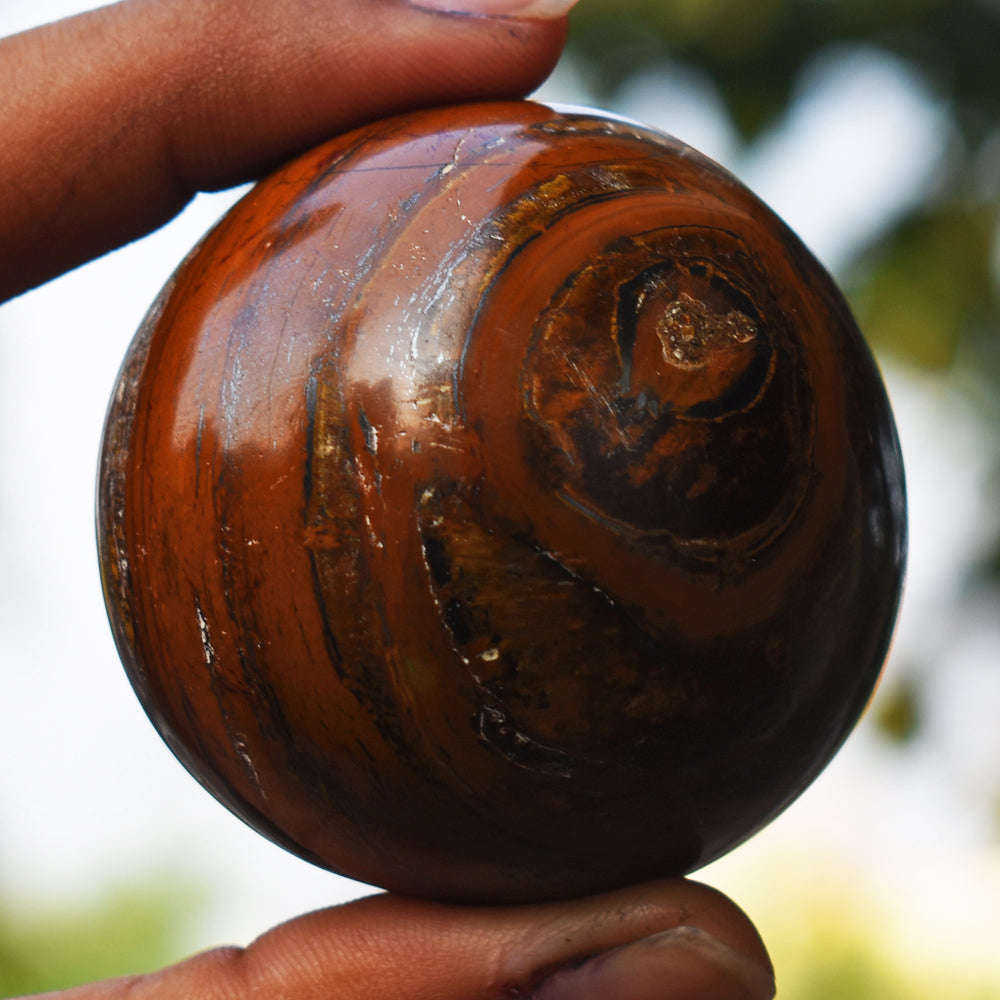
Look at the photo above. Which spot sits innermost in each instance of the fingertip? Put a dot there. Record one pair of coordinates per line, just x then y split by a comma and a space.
256, 88
684, 963
567, 935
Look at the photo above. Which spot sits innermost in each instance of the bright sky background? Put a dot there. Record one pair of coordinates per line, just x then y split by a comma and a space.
88, 793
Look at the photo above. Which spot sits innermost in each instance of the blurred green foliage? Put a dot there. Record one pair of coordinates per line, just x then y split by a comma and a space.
833, 953
926, 292
126, 930
899, 710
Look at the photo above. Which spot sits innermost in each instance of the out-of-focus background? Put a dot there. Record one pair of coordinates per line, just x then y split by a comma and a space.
874, 129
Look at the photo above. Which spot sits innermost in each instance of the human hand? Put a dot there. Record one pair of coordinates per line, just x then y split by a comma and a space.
112, 121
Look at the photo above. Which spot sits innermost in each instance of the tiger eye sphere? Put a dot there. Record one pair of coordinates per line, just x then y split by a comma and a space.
501, 504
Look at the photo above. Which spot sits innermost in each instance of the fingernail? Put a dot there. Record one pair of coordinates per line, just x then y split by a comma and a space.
542, 9
684, 963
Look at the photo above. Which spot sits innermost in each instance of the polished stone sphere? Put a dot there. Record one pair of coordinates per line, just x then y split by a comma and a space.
500, 503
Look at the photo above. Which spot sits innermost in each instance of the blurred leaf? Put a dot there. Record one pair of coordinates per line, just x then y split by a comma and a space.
898, 712
125, 931
987, 571
613, 44
925, 290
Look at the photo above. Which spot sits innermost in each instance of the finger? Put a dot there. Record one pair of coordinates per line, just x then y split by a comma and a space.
674, 940
112, 120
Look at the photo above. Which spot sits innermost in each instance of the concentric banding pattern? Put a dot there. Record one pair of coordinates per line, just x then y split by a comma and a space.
502, 504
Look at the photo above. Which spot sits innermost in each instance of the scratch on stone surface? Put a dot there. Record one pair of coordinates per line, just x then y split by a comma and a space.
599, 396
449, 167
206, 640
198, 439
500, 732
369, 431
242, 750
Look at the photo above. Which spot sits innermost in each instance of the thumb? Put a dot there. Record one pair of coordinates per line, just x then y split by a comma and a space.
672, 940
113, 119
